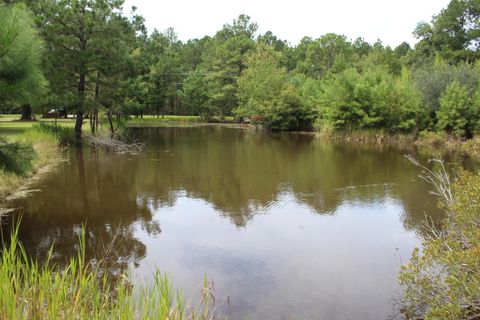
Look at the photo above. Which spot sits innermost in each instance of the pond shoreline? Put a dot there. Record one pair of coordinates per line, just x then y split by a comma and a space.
49, 154
14, 187
211, 200
429, 142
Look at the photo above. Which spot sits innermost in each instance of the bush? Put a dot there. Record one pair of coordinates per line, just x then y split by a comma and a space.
432, 79
16, 157
458, 111
443, 281
370, 99
266, 93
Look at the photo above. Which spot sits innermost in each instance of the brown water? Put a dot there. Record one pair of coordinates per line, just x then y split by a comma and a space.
282, 223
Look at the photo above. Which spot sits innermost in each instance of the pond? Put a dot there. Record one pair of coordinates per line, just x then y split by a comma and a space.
283, 224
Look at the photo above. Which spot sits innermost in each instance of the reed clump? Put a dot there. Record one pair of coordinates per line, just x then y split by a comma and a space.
79, 290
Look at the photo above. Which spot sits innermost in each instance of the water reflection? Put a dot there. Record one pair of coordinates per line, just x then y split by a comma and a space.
284, 223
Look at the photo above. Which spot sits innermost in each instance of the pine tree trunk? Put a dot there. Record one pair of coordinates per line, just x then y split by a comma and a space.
27, 112
81, 92
78, 125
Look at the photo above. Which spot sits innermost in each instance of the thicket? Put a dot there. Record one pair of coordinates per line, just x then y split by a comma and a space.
443, 280
331, 83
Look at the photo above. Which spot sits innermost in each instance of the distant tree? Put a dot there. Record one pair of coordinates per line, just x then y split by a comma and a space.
166, 75
321, 55
266, 95
361, 47
79, 37
433, 78
402, 49
367, 99
456, 111
223, 61
194, 95
454, 32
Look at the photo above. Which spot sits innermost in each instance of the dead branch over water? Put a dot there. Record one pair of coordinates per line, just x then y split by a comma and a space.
115, 144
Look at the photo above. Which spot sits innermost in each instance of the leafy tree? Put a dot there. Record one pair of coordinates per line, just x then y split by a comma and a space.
224, 63
194, 95
361, 47
432, 79
372, 98
266, 95
455, 111
454, 33
165, 76
321, 54
79, 37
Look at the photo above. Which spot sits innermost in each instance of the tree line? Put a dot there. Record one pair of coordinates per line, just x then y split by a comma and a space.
88, 58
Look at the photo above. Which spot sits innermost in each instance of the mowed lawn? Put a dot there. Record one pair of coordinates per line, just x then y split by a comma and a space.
10, 124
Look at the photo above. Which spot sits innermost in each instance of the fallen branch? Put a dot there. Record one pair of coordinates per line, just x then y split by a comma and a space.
114, 144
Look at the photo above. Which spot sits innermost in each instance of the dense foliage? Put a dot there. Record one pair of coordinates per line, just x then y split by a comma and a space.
16, 157
100, 63
87, 58
21, 78
443, 281
266, 95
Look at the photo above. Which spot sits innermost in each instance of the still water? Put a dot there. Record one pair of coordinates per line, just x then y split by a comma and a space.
284, 224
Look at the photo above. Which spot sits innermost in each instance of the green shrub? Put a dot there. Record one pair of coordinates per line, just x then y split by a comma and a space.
266, 94
443, 280
16, 157
370, 99
455, 113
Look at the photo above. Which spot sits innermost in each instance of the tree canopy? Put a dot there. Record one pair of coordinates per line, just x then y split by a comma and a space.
97, 60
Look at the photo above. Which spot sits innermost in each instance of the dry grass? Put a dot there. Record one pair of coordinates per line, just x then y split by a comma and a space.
370, 136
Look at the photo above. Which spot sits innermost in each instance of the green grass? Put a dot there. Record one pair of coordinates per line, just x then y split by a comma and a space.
29, 290
46, 142
11, 126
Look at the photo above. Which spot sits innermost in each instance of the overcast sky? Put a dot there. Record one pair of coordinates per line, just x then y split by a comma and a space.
392, 21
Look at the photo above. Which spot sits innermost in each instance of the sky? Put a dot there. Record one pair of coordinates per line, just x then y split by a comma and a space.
391, 21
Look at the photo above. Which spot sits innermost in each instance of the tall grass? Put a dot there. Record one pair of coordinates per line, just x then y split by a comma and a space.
41, 146
79, 290
377, 136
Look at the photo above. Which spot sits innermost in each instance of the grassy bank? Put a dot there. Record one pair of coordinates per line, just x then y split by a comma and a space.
369, 136
29, 290
429, 141
11, 125
46, 142
442, 141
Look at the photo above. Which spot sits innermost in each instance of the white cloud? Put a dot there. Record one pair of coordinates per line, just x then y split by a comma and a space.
388, 20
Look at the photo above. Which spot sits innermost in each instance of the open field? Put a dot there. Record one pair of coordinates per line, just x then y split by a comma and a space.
10, 124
